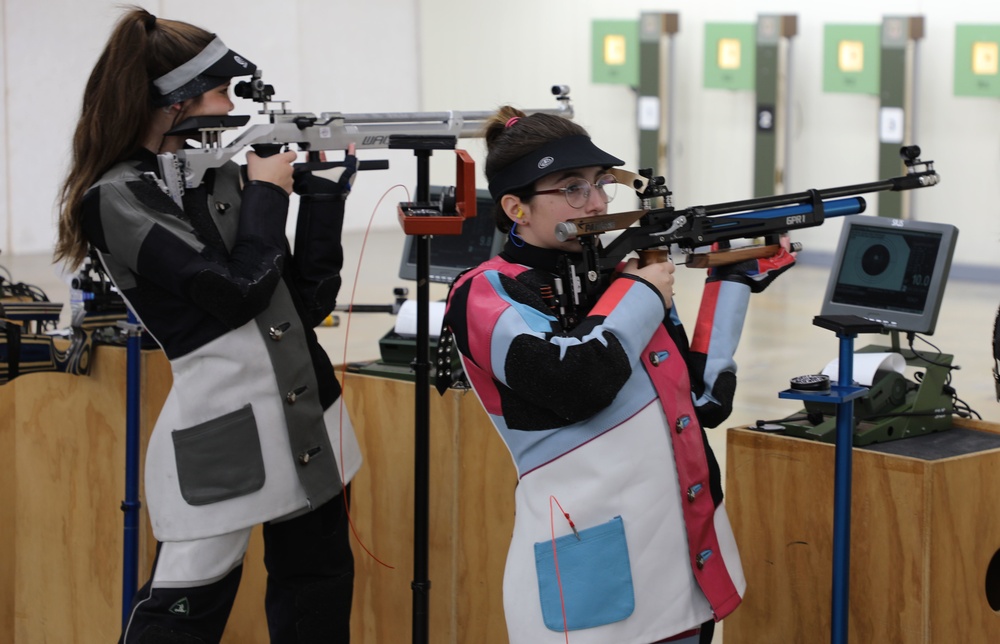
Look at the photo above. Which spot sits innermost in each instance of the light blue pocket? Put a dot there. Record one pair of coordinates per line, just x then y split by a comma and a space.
594, 574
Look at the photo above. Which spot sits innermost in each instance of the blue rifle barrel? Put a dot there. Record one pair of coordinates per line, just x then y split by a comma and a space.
832, 208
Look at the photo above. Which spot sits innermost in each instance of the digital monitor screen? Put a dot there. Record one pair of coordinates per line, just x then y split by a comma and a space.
452, 254
891, 271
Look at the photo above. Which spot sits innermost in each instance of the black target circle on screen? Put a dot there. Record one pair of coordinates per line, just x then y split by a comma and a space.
875, 259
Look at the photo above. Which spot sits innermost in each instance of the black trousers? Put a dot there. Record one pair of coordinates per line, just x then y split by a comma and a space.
707, 632
310, 585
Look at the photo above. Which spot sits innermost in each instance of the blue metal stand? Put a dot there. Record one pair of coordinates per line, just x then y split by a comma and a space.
843, 394
130, 506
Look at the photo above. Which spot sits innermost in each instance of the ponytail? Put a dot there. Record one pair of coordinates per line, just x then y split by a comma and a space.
117, 109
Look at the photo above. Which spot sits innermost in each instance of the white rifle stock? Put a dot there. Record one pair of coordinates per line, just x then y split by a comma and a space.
311, 133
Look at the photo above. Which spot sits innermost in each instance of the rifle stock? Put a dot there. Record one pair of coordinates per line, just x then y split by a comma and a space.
729, 256
328, 131
652, 231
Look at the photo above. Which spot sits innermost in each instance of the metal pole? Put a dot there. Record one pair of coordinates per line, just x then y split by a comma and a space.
421, 454
130, 506
842, 497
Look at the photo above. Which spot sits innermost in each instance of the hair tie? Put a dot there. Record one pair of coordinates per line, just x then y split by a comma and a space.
150, 22
512, 120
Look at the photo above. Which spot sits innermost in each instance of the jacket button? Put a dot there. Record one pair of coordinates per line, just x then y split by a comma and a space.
702, 558
278, 330
307, 455
294, 394
682, 424
656, 357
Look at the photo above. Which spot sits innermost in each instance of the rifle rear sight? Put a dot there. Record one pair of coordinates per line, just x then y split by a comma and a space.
255, 89
656, 187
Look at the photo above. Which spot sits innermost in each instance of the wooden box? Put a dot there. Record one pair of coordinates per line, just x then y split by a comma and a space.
925, 538
62, 471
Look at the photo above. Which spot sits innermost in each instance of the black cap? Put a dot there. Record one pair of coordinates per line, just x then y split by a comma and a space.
213, 66
567, 153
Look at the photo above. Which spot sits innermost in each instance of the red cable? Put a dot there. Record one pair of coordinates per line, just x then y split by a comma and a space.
343, 373
555, 558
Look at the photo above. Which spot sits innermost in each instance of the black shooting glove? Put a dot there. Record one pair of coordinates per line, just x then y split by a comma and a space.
333, 184
319, 255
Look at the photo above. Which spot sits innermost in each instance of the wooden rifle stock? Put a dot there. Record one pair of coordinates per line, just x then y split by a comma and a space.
723, 257
653, 256
728, 256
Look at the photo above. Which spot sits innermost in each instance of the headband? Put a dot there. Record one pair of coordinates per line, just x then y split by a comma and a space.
567, 153
213, 65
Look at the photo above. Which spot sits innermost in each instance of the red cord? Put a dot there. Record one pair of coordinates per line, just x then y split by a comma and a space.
343, 372
555, 557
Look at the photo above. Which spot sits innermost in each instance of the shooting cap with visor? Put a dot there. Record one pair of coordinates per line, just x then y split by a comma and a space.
213, 66
567, 153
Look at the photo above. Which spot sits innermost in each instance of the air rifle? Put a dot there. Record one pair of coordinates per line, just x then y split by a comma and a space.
311, 133
588, 273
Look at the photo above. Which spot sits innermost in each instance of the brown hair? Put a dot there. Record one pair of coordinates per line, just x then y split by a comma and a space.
117, 109
506, 144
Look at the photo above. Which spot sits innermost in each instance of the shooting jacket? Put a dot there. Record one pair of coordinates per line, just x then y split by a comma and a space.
252, 429
601, 423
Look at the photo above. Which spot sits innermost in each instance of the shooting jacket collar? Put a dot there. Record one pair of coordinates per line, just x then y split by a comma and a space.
214, 65
546, 259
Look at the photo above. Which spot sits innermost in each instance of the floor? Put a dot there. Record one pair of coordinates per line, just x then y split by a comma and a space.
779, 339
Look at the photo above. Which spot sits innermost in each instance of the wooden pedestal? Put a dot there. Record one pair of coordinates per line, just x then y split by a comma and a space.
62, 469
472, 482
923, 534
62, 450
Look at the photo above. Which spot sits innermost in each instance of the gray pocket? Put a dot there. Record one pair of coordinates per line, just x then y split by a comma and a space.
219, 459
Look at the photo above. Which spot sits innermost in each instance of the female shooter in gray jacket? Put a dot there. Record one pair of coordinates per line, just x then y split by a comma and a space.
252, 430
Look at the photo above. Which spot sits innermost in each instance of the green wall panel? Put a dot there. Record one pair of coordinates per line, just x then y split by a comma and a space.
615, 52
730, 55
977, 60
851, 58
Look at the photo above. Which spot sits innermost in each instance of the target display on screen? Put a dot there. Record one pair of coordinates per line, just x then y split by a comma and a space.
891, 271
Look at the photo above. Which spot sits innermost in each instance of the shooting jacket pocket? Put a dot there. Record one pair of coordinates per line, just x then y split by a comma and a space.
219, 459
590, 576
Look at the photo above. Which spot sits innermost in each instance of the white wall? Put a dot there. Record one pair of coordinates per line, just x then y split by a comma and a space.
520, 47
5, 222
406, 55
322, 55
